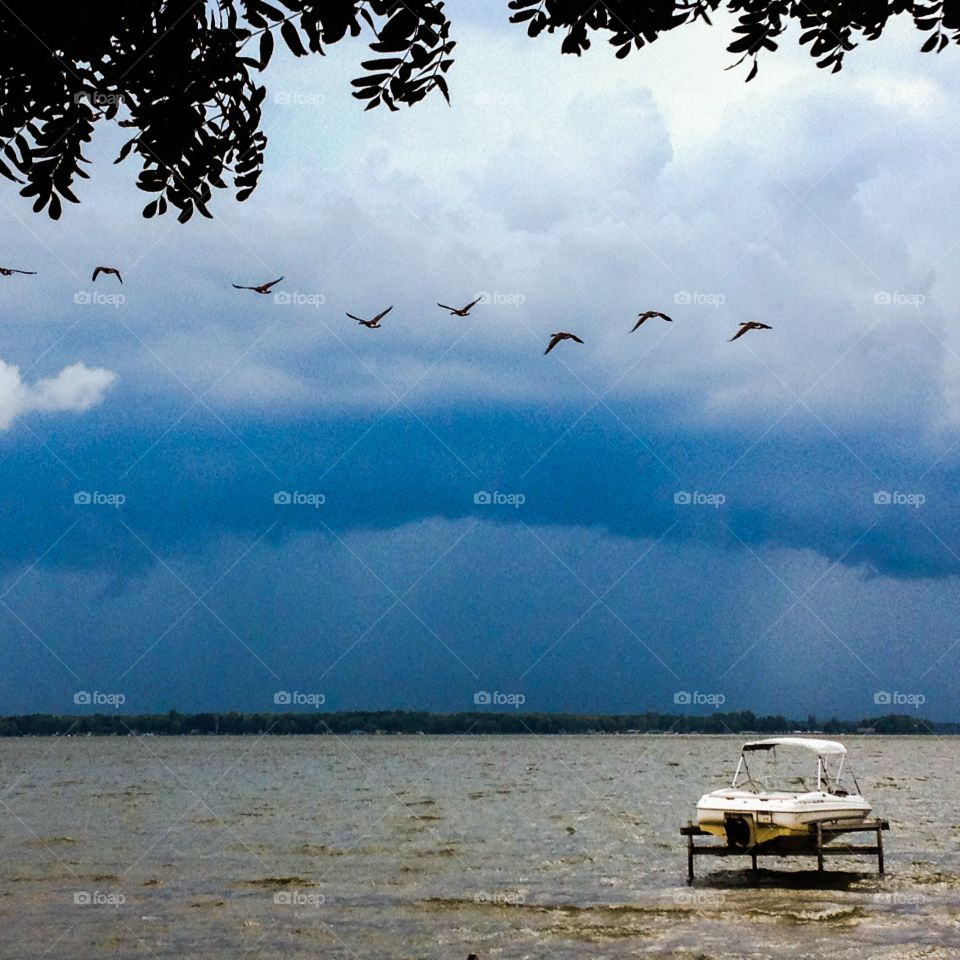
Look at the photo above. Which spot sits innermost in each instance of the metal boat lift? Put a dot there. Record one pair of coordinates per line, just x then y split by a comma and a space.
819, 846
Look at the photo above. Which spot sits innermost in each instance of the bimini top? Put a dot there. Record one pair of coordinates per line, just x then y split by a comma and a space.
821, 747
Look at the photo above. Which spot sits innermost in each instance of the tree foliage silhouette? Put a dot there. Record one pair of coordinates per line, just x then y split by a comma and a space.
830, 28
180, 75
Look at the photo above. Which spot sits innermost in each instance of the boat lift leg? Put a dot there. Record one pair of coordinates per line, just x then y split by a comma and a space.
689, 858
753, 860
819, 846
880, 851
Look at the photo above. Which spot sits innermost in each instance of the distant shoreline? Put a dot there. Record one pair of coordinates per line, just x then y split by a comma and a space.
414, 723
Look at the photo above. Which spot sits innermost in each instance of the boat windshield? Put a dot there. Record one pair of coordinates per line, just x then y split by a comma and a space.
792, 771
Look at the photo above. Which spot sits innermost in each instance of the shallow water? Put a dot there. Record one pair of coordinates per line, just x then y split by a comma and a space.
360, 847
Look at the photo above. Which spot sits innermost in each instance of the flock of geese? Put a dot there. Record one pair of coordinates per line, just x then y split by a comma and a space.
374, 322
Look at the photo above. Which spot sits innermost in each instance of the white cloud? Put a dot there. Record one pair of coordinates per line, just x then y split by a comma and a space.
75, 388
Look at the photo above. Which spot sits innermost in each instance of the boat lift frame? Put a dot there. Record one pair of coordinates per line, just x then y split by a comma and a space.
820, 836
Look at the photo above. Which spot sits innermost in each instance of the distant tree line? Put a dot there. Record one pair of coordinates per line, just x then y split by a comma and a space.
174, 723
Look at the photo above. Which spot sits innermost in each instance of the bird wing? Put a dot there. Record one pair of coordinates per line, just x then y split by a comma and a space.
352, 317
445, 307
382, 314
639, 322
664, 316
117, 274
96, 273
763, 326
573, 336
267, 286
239, 287
28, 272
744, 327
470, 306
553, 342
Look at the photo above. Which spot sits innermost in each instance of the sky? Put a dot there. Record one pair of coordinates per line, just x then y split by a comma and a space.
216, 500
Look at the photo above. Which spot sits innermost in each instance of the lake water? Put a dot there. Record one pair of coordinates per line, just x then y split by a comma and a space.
382, 847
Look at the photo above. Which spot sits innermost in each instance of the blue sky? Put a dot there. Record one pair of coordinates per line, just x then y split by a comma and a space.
572, 194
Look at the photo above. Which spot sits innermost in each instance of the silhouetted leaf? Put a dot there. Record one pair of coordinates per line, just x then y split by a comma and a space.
266, 48
292, 38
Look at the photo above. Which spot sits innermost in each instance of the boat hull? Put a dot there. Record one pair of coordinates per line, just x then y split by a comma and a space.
747, 819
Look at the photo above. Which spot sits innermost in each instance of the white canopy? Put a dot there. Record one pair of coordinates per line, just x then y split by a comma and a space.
820, 747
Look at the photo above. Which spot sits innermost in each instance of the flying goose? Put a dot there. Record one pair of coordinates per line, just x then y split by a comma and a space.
460, 311
262, 288
555, 338
649, 315
375, 322
106, 270
749, 325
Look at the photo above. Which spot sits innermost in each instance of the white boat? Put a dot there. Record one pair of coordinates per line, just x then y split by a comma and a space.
763, 806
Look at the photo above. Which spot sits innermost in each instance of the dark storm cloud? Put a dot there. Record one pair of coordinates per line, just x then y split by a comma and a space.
839, 497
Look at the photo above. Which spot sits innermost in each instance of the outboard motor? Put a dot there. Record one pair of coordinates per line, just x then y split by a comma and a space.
739, 832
